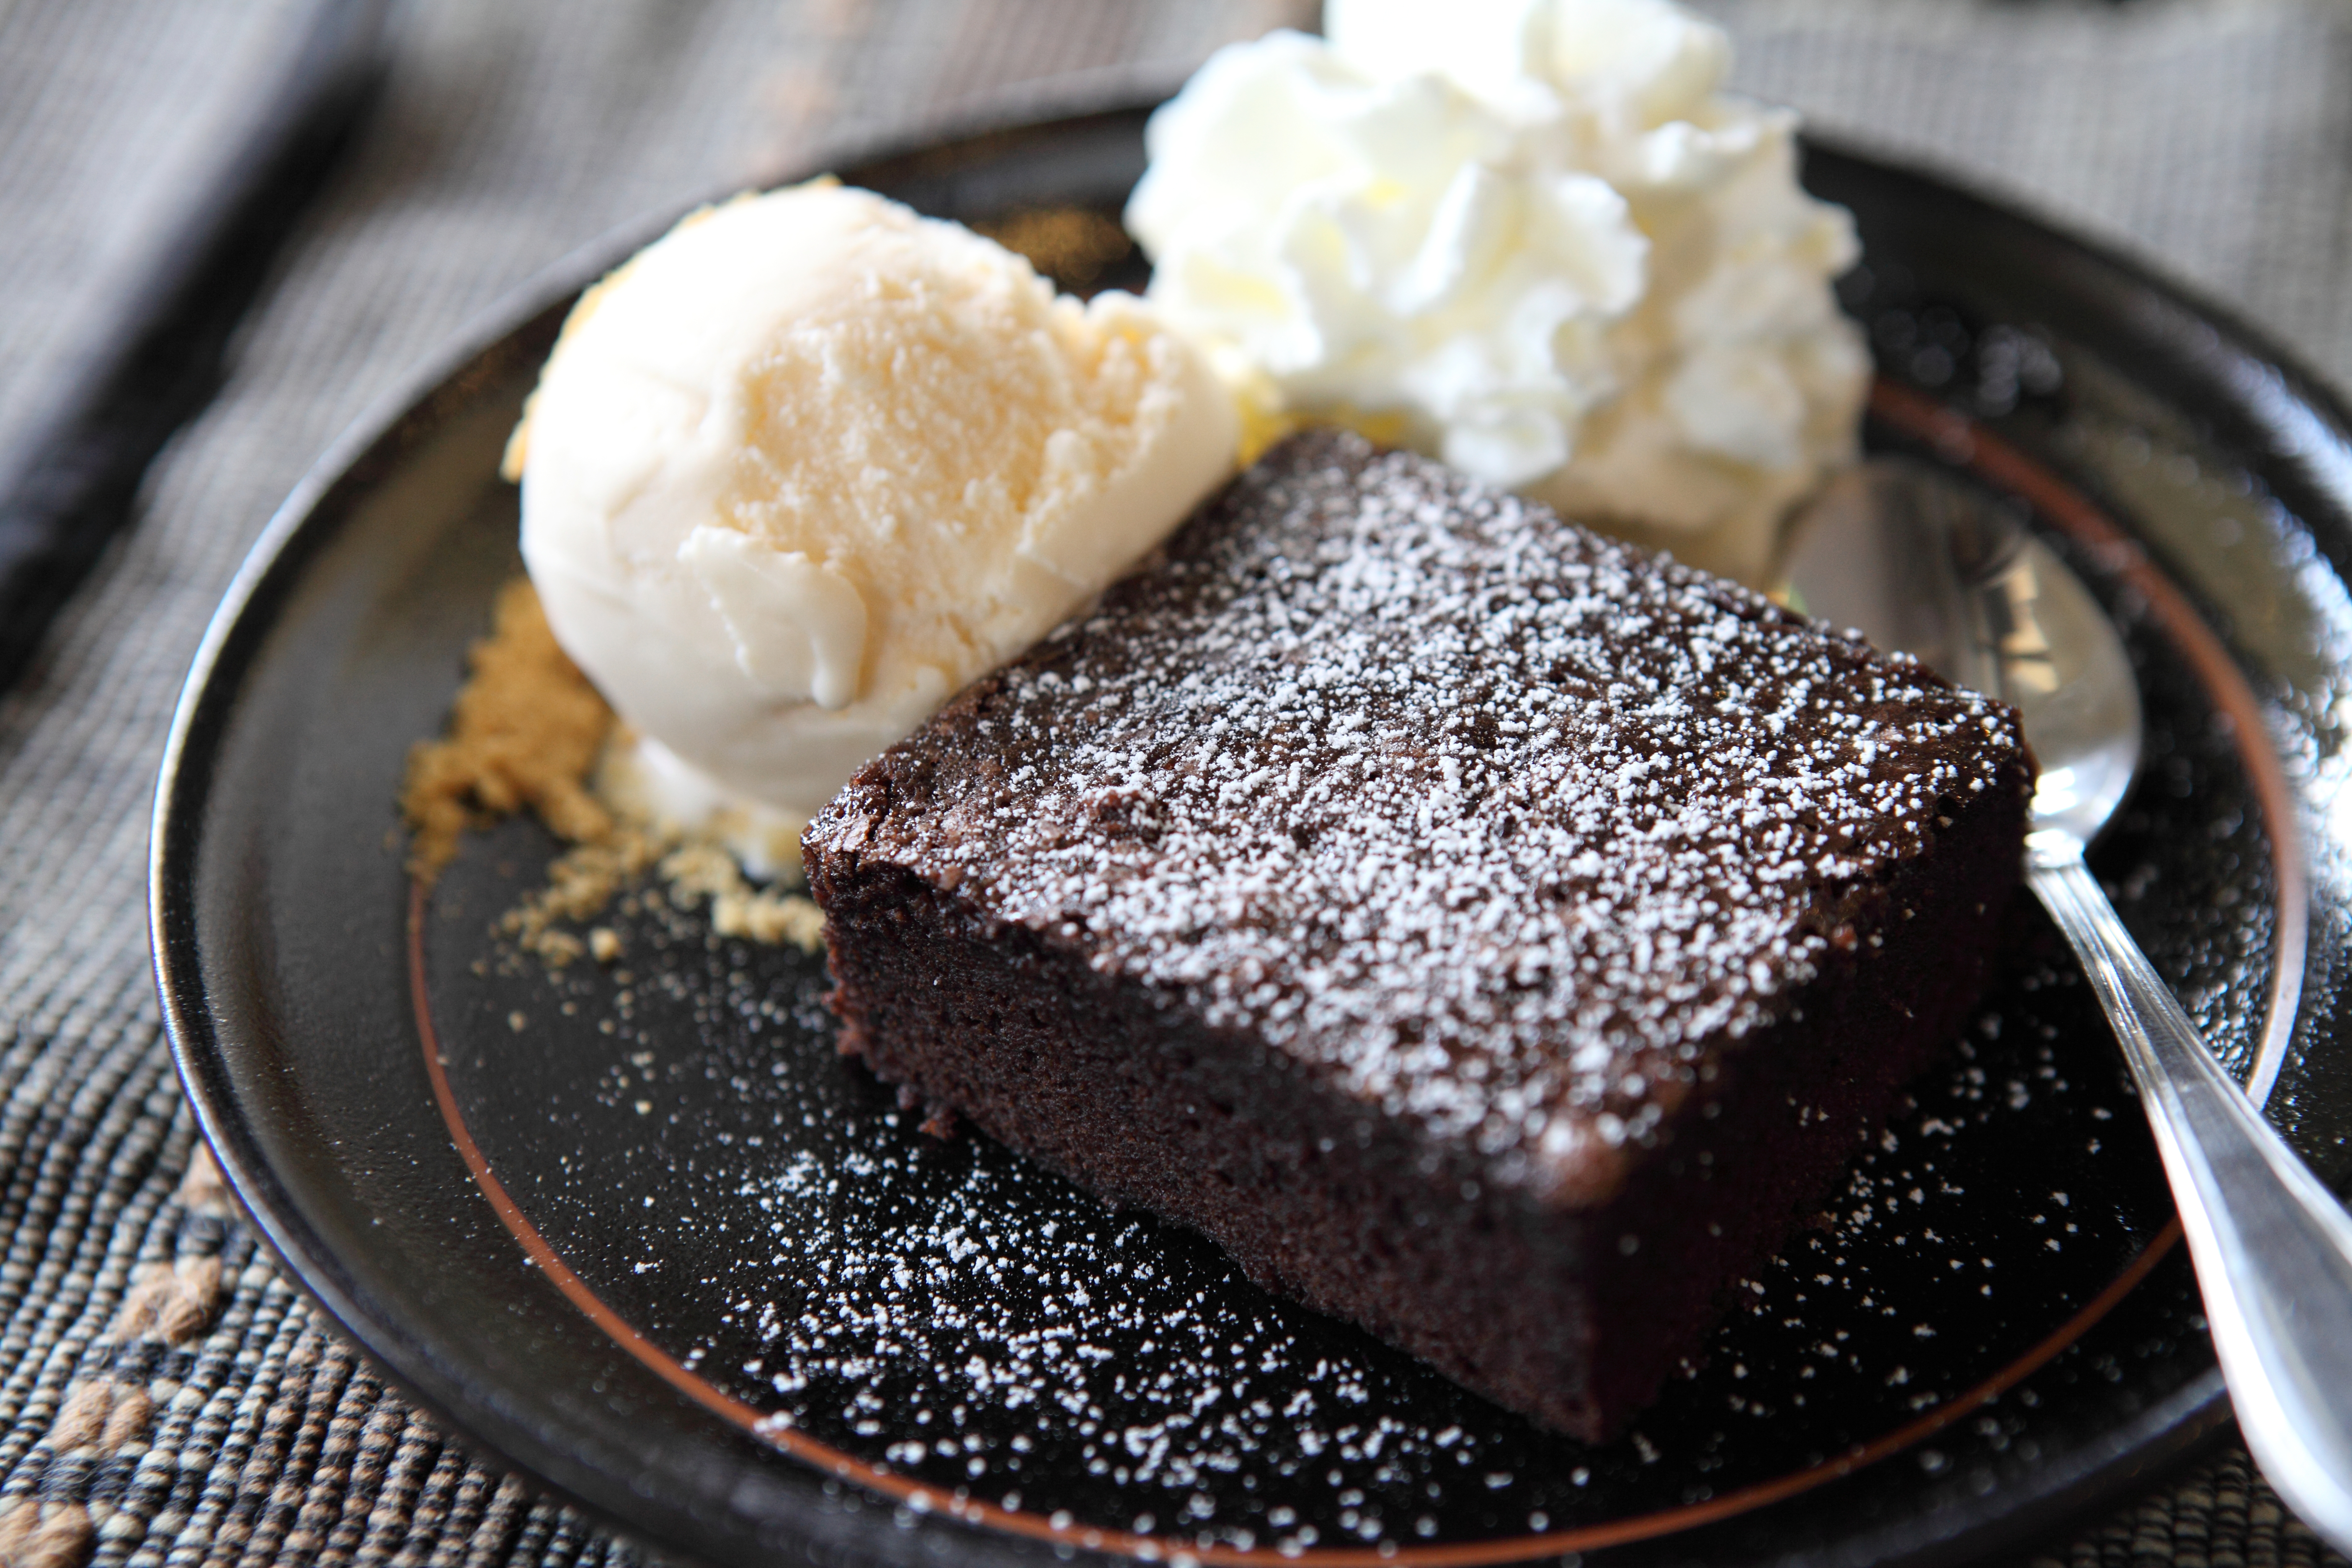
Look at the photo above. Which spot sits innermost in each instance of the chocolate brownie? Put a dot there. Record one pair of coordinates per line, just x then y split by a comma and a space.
1484, 930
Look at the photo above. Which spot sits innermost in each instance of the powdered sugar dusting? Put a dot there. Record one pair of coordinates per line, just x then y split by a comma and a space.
1497, 824
687, 1136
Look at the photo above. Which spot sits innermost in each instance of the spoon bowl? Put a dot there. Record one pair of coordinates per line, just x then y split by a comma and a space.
1922, 565
1918, 563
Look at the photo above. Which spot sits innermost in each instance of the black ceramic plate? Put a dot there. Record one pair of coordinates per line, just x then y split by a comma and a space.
642, 1232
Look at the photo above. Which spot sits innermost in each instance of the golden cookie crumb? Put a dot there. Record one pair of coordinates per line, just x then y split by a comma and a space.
528, 729
524, 731
1070, 245
737, 909
580, 883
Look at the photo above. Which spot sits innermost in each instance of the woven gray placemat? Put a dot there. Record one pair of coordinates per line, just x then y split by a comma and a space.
2211, 138
165, 1395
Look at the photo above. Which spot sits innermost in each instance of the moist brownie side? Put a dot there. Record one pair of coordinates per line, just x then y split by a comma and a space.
1484, 930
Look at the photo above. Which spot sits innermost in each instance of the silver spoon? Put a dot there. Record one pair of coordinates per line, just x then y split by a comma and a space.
1920, 563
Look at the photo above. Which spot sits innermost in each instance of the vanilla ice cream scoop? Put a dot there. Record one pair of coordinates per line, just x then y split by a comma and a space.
811, 463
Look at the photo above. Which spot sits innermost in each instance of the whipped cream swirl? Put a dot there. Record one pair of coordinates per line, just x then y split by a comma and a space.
1532, 237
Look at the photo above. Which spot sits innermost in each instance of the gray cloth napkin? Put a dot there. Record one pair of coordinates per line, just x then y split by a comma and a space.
165, 1395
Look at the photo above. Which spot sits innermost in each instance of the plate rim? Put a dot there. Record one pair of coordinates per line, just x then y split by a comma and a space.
2129, 1454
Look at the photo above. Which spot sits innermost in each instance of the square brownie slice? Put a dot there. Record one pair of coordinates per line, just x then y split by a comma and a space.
1484, 930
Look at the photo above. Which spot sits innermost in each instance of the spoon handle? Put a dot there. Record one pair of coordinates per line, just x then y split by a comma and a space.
2271, 1245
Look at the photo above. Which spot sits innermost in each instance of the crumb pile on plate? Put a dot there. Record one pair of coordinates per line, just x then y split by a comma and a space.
524, 731
527, 730
1484, 930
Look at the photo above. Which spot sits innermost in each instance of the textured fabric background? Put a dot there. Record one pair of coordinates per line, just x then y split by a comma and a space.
165, 1396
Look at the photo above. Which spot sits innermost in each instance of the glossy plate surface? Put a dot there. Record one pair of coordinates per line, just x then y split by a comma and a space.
639, 1229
